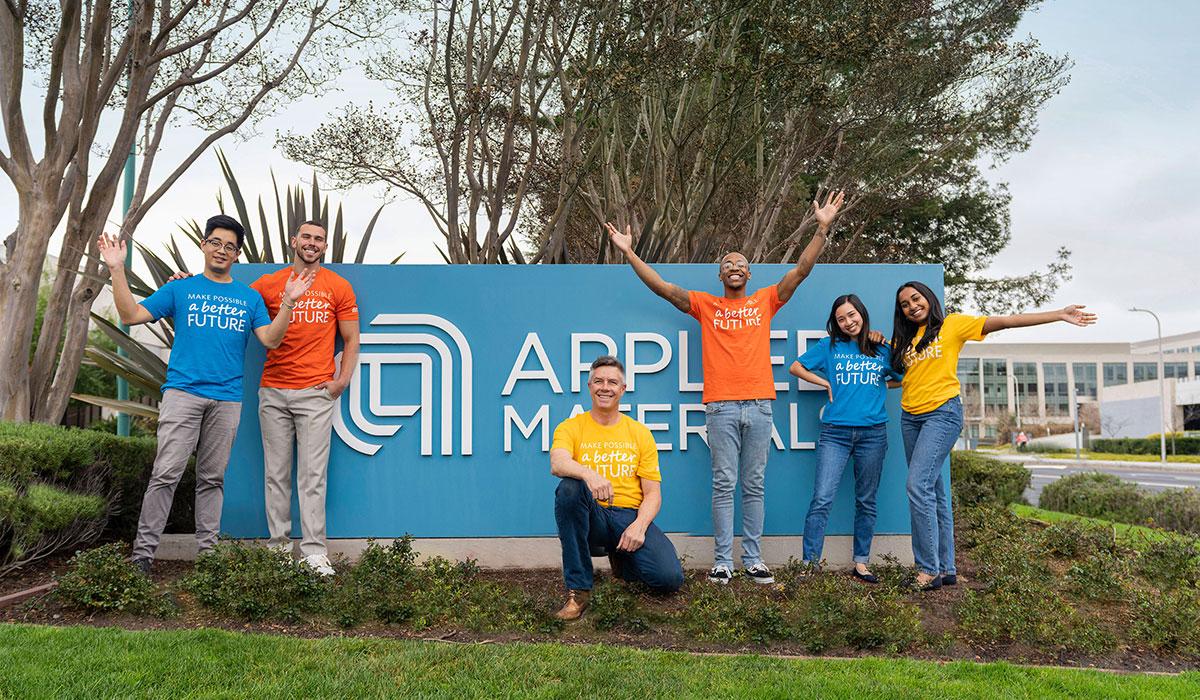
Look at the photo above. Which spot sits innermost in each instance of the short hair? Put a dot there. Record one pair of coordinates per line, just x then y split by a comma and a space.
607, 361
311, 222
226, 222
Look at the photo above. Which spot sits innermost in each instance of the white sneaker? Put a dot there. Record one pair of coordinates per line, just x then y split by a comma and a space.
319, 563
721, 574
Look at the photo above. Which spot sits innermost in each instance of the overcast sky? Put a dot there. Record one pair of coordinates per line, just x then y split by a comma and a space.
1112, 173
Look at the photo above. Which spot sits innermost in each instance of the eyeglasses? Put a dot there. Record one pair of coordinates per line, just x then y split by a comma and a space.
216, 243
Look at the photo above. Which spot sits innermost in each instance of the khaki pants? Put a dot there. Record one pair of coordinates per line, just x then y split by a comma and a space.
188, 423
300, 419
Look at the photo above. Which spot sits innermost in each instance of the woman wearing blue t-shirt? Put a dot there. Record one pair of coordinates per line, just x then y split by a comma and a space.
854, 369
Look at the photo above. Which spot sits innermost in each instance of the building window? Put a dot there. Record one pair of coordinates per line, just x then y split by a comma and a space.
1054, 384
995, 388
1085, 380
1025, 374
1176, 370
1115, 373
968, 378
1145, 371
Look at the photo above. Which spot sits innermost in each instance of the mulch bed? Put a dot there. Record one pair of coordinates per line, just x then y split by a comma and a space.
937, 614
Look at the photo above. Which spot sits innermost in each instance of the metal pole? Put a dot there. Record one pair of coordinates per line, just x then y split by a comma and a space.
1074, 411
127, 199
1162, 390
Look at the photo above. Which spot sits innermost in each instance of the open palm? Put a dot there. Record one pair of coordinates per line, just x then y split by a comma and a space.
623, 241
1075, 314
827, 212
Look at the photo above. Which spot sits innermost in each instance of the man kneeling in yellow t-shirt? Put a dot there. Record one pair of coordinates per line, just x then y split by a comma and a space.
609, 494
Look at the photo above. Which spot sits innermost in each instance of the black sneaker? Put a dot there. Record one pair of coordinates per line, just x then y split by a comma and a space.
143, 565
759, 573
721, 574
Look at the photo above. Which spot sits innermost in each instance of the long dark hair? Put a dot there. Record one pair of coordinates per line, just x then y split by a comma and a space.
865, 345
904, 330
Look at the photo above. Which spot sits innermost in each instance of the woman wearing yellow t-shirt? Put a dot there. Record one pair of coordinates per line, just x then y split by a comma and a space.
932, 412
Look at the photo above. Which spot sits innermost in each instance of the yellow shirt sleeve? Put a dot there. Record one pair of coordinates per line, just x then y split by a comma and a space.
965, 327
566, 436
647, 454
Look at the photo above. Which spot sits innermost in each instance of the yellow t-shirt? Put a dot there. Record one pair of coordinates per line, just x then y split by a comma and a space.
931, 378
623, 453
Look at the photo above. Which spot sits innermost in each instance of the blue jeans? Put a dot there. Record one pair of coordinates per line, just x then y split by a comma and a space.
584, 525
928, 439
837, 444
739, 433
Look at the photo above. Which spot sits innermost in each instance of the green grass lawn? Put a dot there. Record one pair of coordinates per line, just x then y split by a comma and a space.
1131, 534
105, 662
1117, 457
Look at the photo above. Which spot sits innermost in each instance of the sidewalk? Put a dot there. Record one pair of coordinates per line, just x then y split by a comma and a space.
1033, 458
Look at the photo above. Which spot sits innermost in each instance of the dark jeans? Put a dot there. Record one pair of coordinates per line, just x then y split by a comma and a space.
838, 443
584, 524
928, 439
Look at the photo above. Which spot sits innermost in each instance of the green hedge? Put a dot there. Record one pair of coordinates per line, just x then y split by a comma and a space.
1146, 446
978, 480
1105, 496
77, 464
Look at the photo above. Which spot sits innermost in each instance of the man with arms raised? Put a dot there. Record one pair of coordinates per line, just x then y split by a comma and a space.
609, 494
201, 405
739, 386
299, 390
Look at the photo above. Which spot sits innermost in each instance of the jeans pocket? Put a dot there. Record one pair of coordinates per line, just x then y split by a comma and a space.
764, 405
714, 407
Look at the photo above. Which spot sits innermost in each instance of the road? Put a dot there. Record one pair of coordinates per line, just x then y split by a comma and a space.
1150, 479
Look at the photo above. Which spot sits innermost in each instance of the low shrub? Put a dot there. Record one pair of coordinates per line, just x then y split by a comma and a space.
1034, 616
833, 611
102, 579
1146, 445
1168, 621
722, 614
377, 587
1070, 539
42, 519
445, 592
1099, 577
1174, 509
614, 607
1095, 495
254, 583
978, 480
1170, 563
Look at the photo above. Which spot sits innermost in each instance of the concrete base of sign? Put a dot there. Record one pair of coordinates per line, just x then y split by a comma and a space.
544, 552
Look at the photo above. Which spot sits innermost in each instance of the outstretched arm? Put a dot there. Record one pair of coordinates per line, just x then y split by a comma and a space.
673, 293
825, 216
1073, 314
112, 252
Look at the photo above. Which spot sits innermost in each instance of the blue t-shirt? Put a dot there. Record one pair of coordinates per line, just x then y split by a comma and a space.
859, 382
213, 322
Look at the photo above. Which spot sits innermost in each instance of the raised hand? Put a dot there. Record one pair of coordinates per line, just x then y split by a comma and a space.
180, 275
828, 212
1075, 315
297, 285
623, 241
112, 251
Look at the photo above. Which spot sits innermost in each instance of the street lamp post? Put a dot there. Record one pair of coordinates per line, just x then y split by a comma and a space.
1162, 389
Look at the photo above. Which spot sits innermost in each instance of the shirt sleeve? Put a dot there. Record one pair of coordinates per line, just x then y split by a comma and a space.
647, 454
815, 358
161, 304
565, 437
772, 296
695, 299
347, 304
968, 327
258, 312
889, 372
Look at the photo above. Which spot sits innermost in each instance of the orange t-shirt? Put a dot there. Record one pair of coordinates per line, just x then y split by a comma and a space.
305, 357
735, 344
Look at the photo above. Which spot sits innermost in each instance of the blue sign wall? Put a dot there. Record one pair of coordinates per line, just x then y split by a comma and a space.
465, 372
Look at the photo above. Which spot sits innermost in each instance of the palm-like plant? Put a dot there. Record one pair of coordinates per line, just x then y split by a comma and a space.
141, 366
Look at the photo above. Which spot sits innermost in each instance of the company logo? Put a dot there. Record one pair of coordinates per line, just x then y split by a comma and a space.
378, 350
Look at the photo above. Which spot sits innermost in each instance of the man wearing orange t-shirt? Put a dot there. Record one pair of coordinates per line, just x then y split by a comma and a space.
299, 390
739, 386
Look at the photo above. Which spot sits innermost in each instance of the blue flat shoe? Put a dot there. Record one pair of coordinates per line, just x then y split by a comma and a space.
949, 579
933, 585
865, 578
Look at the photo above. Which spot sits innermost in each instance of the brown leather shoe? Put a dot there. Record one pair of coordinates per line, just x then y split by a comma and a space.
577, 602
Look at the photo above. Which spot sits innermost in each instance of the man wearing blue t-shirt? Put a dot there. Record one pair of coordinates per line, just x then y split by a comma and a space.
201, 404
